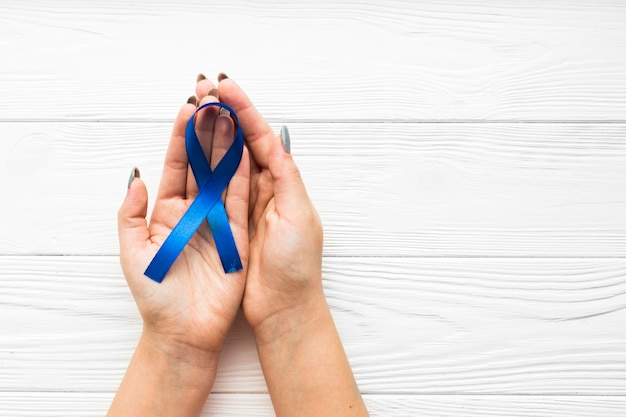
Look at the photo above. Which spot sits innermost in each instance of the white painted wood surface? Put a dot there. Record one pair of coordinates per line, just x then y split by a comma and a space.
468, 161
409, 189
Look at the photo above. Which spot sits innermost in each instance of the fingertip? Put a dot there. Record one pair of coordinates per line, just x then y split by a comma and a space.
185, 113
232, 94
289, 187
278, 158
285, 139
132, 224
203, 87
136, 202
134, 173
188, 109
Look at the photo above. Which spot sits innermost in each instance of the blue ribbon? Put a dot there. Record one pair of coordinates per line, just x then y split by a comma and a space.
207, 204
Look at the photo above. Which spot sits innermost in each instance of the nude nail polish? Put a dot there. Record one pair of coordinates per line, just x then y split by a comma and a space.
193, 100
214, 93
200, 77
221, 76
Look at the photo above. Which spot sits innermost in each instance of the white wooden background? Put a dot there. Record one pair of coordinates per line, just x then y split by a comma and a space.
468, 160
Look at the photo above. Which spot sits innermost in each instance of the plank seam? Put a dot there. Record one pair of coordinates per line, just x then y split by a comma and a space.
364, 393
340, 121
478, 257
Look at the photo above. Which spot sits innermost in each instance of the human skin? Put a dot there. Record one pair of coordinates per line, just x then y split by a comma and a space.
301, 354
187, 316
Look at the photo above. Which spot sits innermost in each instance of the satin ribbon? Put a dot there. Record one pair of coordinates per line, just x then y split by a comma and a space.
207, 204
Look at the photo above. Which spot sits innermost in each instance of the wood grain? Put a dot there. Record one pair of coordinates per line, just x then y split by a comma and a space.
63, 404
468, 161
410, 326
317, 60
383, 189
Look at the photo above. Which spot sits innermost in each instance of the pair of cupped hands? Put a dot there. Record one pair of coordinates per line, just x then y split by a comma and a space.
276, 228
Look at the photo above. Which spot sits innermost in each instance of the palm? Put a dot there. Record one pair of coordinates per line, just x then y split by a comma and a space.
197, 301
268, 251
285, 248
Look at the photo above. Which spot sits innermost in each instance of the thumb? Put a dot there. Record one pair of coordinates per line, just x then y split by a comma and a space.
131, 217
289, 191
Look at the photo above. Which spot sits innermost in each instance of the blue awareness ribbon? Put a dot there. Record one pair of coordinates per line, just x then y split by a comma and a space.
207, 204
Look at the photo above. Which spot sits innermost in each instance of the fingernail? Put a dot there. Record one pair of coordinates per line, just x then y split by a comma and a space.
200, 77
221, 76
214, 92
134, 173
193, 100
284, 137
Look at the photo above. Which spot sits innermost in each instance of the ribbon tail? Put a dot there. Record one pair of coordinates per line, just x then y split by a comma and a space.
176, 241
224, 240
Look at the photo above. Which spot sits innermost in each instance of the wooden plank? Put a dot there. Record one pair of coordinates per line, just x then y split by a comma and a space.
318, 60
410, 326
68, 404
382, 189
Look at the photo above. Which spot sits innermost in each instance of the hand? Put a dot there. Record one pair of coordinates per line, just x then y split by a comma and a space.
191, 311
303, 361
284, 270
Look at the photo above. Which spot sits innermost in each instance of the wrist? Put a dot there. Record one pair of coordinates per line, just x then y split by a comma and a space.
292, 322
165, 379
304, 364
175, 354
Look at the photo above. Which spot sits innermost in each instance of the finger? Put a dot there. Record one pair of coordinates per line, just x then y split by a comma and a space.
205, 127
261, 192
131, 220
205, 120
255, 172
174, 179
254, 191
289, 190
203, 87
257, 132
236, 203
222, 138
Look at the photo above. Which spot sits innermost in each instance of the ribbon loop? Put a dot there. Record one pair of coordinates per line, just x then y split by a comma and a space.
207, 204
